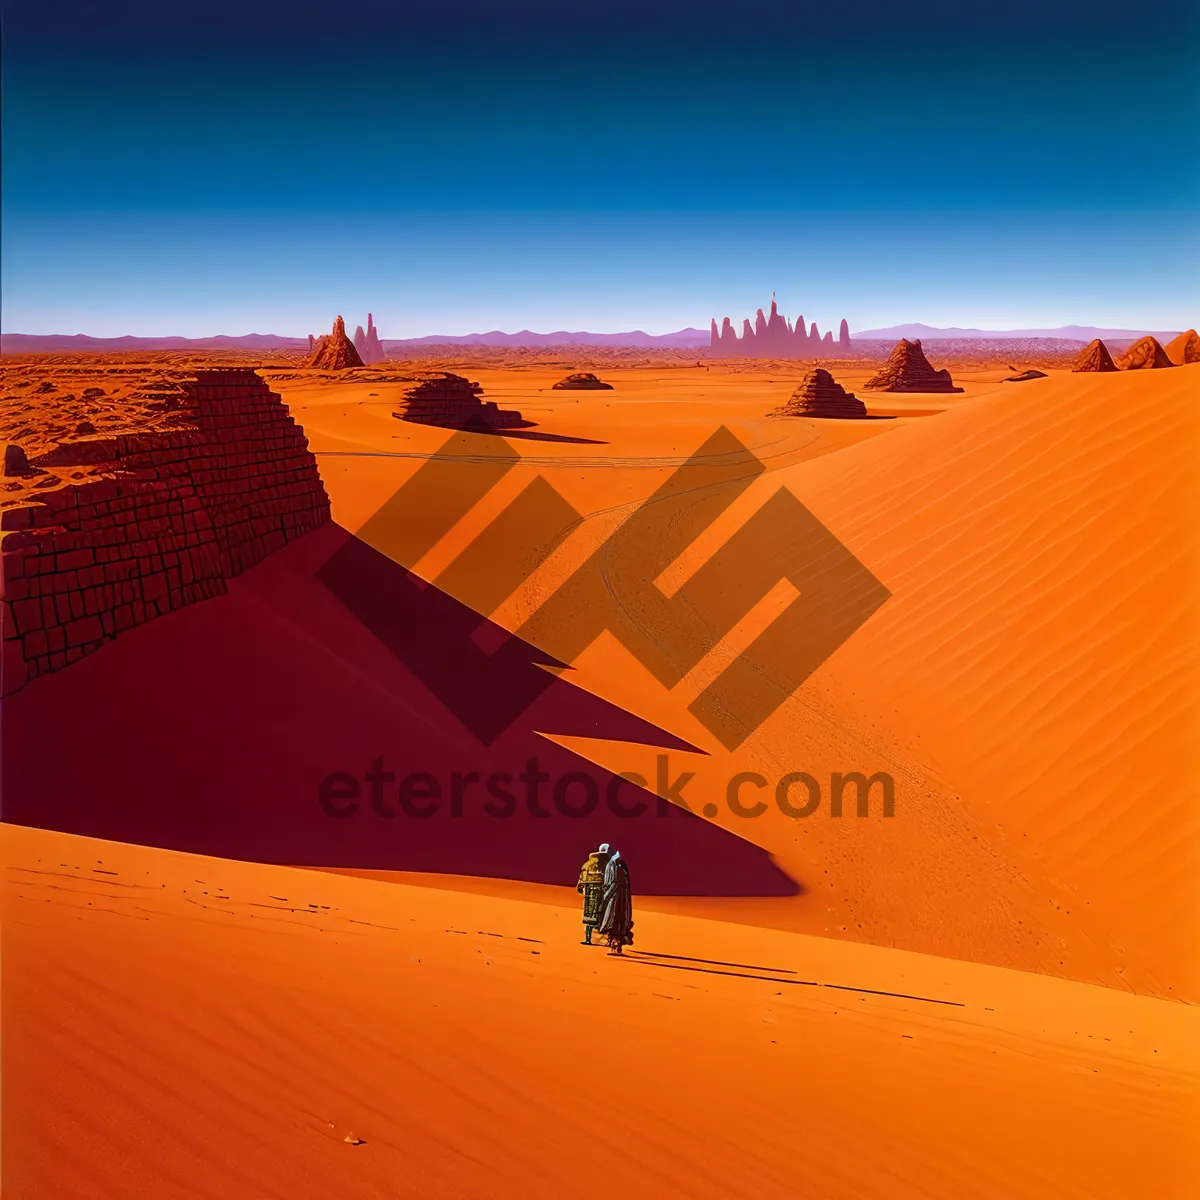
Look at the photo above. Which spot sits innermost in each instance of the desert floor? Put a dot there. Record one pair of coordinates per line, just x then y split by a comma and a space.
183, 1026
991, 993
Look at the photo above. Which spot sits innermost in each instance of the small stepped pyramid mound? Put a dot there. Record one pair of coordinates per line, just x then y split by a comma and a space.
820, 395
908, 370
453, 402
1184, 349
1095, 357
1144, 355
582, 381
335, 352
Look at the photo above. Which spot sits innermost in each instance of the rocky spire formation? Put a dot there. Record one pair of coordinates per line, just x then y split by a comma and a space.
1145, 354
820, 395
908, 370
367, 343
1095, 357
335, 352
374, 345
774, 336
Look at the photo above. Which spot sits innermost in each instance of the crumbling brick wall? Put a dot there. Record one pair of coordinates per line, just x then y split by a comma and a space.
172, 515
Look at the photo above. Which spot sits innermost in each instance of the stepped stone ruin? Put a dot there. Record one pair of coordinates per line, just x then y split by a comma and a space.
819, 395
1144, 355
336, 351
1095, 357
1184, 349
908, 370
367, 343
453, 402
776, 337
167, 518
582, 381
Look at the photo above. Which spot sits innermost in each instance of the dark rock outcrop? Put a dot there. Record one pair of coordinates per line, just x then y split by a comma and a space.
908, 370
1145, 354
335, 352
1184, 349
1095, 357
844, 336
1024, 376
582, 381
820, 395
15, 461
451, 401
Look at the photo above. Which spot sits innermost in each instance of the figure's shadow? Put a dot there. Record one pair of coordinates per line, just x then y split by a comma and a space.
329, 672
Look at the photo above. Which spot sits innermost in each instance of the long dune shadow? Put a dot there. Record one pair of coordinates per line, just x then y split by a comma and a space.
330, 680
527, 430
536, 435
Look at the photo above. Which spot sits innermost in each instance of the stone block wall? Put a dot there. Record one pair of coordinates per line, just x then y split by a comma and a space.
172, 515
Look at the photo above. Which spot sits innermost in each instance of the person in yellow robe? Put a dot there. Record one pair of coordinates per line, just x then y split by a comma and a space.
591, 885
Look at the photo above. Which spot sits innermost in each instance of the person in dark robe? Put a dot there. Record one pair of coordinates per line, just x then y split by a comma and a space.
616, 910
591, 886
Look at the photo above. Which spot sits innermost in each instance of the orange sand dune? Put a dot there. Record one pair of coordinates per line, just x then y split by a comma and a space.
183, 1026
1030, 685
1040, 649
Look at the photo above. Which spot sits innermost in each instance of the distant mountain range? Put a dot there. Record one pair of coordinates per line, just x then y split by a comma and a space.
52, 343
526, 337
1075, 333
28, 343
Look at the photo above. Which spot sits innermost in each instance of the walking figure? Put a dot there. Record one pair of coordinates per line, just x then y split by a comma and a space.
616, 916
591, 884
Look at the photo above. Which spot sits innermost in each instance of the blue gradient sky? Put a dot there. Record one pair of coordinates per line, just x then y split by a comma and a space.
217, 169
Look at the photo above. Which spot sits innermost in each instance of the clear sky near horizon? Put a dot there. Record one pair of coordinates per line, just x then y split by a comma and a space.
209, 168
